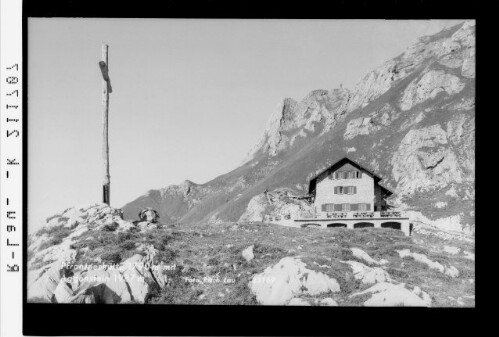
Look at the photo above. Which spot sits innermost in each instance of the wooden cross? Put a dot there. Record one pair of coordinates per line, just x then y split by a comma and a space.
106, 90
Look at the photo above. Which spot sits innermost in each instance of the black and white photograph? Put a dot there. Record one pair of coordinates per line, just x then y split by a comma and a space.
251, 162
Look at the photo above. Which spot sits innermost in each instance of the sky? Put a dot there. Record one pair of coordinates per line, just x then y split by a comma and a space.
190, 96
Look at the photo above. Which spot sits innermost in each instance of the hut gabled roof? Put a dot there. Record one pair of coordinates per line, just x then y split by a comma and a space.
338, 164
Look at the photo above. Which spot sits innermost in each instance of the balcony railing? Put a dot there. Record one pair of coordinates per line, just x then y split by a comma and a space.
339, 215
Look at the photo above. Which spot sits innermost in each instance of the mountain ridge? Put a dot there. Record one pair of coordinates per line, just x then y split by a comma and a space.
388, 123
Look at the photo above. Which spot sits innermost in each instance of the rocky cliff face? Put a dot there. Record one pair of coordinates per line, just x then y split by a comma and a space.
412, 120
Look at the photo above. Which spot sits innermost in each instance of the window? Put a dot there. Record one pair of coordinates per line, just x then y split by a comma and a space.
345, 207
354, 207
345, 190
364, 207
347, 175
337, 207
327, 207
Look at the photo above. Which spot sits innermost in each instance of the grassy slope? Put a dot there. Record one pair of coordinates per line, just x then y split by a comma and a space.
209, 251
203, 250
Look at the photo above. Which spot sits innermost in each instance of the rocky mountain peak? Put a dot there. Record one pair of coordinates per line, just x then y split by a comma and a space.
184, 188
411, 120
291, 120
321, 109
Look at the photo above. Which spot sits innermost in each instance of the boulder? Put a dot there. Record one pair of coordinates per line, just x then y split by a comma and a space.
328, 302
389, 295
289, 278
248, 253
422, 258
368, 275
360, 254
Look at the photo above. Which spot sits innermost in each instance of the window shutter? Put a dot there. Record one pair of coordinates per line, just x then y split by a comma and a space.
354, 207
337, 207
336, 190
368, 207
323, 207
355, 190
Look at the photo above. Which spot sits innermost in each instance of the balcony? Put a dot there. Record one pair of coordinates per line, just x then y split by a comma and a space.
382, 219
350, 215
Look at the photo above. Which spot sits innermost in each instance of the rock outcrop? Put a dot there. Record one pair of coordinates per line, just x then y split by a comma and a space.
368, 275
288, 279
281, 202
390, 295
450, 270
62, 270
428, 87
291, 120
